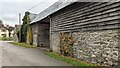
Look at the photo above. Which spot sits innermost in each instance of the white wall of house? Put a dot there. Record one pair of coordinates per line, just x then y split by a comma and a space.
12, 33
5, 32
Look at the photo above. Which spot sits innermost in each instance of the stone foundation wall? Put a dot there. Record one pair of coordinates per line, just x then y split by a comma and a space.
34, 33
35, 41
55, 37
99, 47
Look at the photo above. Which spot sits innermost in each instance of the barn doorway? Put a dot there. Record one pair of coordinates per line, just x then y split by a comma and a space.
44, 33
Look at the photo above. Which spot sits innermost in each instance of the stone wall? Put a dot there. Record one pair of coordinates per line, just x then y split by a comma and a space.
15, 37
35, 37
34, 32
99, 47
55, 43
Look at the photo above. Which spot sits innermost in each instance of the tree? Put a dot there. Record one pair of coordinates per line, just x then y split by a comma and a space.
26, 31
29, 31
23, 29
1, 23
9, 28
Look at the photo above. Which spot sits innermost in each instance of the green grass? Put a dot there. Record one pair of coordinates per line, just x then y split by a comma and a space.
69, 60
0, 38
23, 45
6, 39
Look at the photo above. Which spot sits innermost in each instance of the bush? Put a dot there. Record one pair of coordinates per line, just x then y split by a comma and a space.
66, 44
29, 36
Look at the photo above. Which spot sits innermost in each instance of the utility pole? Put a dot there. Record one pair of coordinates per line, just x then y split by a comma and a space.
19, 27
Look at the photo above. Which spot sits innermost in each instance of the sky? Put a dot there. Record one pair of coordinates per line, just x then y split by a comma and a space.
10, 9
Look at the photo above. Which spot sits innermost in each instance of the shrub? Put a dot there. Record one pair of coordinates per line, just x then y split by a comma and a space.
29, 36
66, 43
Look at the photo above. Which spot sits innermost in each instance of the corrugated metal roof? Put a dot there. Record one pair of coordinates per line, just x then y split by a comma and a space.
32, 16
59, 5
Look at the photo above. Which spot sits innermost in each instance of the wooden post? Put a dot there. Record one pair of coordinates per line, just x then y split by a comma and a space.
50, 34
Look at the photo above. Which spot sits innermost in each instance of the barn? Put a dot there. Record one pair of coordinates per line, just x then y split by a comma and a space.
94, 27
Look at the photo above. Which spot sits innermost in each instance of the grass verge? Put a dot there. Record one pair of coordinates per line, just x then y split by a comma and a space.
69, 60
6, 39
23, 45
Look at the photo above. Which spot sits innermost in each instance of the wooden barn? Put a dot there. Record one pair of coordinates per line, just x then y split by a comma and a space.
40, 31
94, 26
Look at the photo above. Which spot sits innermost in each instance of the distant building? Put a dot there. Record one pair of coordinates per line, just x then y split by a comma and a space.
16, 29
4, 32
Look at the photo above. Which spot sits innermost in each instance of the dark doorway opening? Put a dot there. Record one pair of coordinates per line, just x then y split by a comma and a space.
44, 33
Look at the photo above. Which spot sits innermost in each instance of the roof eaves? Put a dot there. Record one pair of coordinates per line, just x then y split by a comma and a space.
52, 9
59, 5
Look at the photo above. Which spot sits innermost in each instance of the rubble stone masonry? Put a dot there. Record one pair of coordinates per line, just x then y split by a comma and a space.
99, 47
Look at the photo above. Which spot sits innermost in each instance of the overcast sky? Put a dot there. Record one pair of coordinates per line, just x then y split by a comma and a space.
10, 9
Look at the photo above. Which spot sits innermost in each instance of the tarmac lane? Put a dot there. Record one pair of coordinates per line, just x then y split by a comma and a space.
19, 56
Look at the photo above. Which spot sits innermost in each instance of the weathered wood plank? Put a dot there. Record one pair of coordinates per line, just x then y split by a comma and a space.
91, 17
